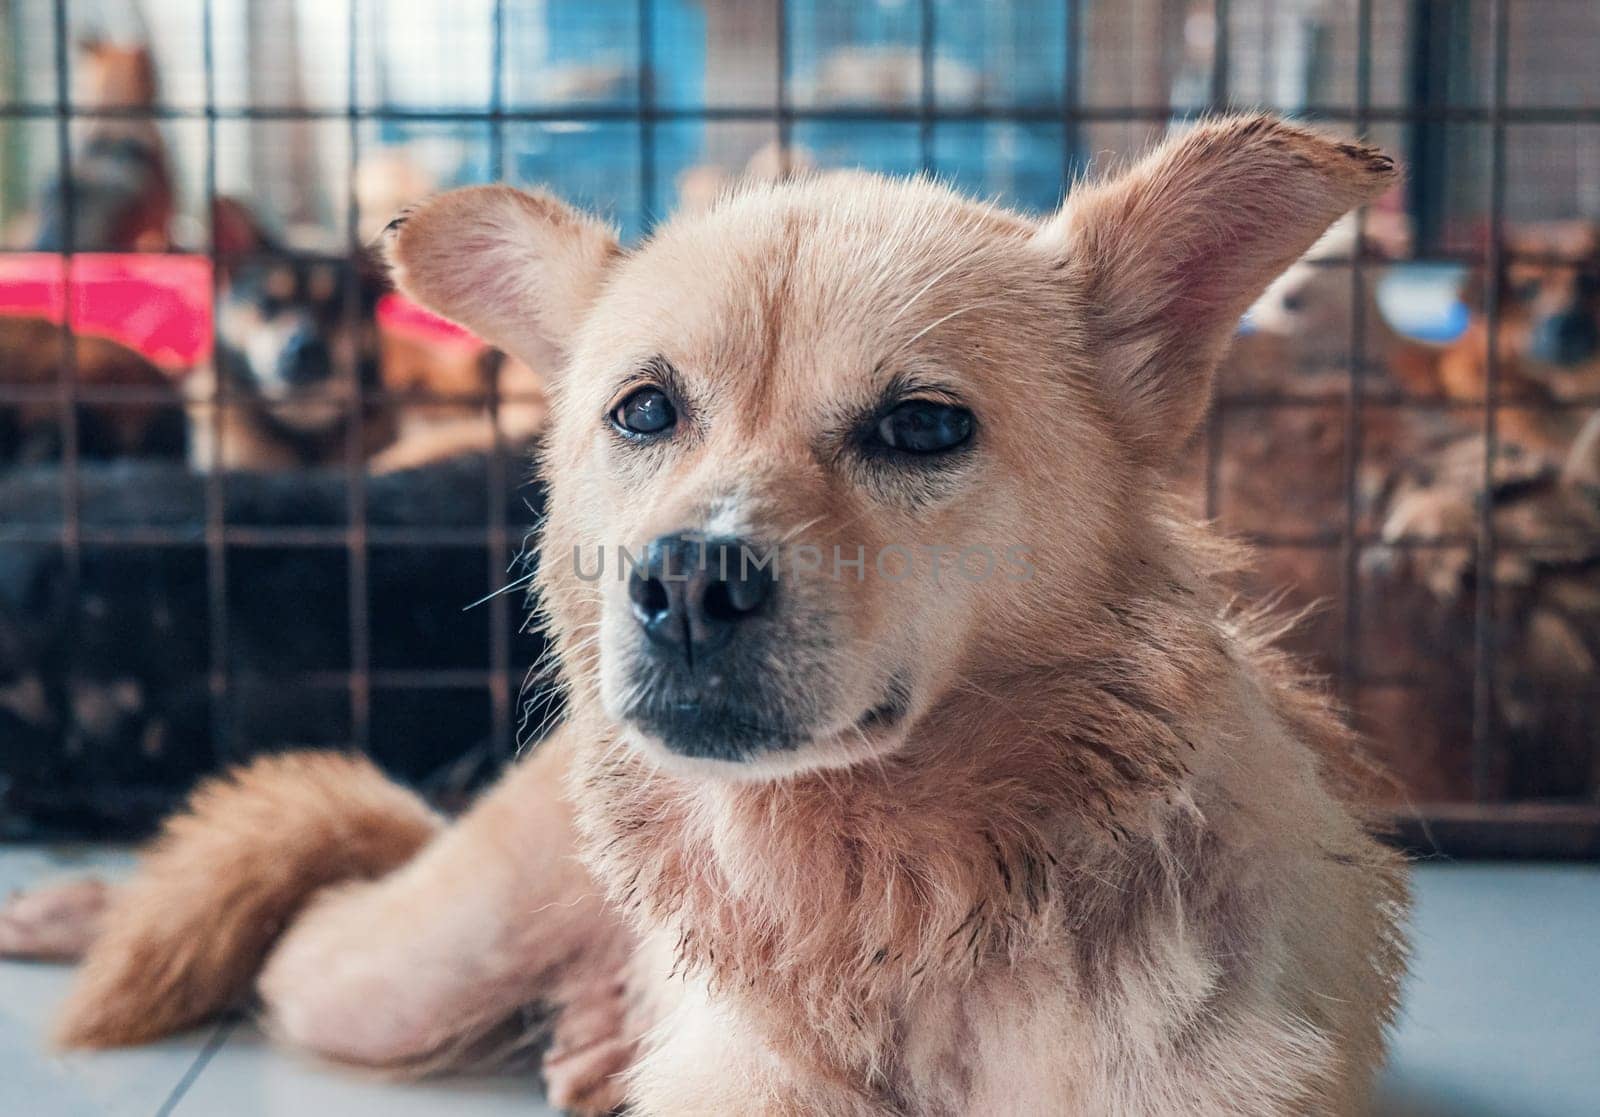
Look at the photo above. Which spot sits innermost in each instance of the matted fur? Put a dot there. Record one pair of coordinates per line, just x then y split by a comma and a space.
1109, 863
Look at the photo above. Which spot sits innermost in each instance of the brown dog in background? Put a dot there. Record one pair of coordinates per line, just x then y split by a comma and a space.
1074, 840
122, 193
144, 421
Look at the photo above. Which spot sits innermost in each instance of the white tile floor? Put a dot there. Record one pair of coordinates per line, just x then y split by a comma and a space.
1502, 1020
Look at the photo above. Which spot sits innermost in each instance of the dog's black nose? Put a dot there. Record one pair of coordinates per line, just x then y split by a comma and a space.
690, 593
304, 359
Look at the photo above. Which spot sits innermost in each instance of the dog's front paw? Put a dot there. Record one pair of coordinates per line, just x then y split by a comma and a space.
55, 923
590, 1051
588, 1082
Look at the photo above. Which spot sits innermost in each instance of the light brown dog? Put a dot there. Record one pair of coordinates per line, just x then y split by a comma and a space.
1067, 838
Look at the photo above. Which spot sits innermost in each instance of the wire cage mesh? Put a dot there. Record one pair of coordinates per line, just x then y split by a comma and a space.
1415, 457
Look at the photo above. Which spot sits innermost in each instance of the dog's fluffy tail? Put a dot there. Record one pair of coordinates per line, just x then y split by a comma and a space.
187, 936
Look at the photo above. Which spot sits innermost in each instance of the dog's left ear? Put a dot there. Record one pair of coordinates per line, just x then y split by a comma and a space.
1171, 253
518, 269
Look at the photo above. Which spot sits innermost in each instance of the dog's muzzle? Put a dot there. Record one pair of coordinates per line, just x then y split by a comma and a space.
726, 663
705, 607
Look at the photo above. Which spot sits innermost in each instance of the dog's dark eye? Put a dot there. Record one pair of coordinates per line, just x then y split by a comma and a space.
924, 427
647, 411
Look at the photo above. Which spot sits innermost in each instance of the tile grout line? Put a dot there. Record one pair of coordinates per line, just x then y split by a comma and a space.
214, 1043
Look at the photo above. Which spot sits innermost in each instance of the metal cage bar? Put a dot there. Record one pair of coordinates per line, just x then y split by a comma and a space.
628, 113
781, 112
927, 76
1355, 391
67, 380
649, 203
1071, 88
650, 111
217, 682
1216, 417
500, 719
357, 576
1483, 742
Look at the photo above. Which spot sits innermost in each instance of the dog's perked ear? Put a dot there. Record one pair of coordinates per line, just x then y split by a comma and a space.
518, 269
1171, 253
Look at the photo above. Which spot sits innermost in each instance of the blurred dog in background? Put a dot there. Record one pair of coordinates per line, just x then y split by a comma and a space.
1420, 477
105, 709
296, 337
148, 423
1541, 497
1547, 335
117, 196
1550, 306
119, 187
295, 333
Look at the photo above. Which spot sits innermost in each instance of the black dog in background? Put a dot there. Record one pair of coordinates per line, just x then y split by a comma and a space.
105, 709
293, 329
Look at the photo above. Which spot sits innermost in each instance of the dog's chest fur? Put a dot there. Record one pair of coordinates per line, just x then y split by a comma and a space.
938, 934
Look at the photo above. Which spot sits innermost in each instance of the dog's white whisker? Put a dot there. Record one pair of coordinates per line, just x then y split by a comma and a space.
507, 588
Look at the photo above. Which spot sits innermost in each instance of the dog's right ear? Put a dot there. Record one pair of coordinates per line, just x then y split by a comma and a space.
518, 269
